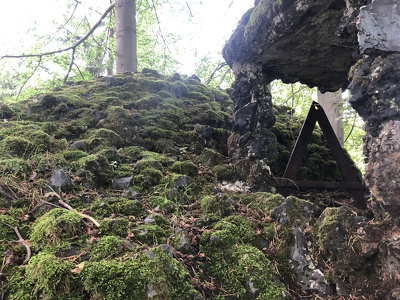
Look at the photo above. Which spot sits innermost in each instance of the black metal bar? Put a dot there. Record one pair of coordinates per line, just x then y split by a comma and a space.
301, 144
351, 181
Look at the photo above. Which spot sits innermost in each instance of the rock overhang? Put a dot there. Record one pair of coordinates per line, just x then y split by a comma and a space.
296, 40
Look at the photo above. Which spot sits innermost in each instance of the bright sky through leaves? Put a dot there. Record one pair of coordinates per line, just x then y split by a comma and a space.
204, 34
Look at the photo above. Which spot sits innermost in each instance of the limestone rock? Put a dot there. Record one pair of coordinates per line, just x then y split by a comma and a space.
60, 179
379, 26
382, 172
294, 41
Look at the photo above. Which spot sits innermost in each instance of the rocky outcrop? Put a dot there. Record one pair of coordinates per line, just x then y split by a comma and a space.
331, 44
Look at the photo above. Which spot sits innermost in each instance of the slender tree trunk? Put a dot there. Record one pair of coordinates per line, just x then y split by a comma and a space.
126, 54
329, 101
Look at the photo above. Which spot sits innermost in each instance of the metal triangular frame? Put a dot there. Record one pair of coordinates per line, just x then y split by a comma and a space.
351, 181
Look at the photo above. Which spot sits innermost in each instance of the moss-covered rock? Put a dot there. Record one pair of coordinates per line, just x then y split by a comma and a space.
57, 228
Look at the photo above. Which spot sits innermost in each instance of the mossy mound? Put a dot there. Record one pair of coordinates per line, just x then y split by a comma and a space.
153, 208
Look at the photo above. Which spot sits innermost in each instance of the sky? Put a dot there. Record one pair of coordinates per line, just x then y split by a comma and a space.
212, 23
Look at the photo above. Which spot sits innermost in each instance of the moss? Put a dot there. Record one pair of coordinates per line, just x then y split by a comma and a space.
163, 203
211, 157
99, 168
329, 228
228, 232
16, 146
225, 172
7, 234
198, 96
114, 279
51, 278
245, 273
106, 207
149, 102
17, 287
73, 155
261, 201
107, 248
114, 226
151, 275
104, 138
150, 234
132, 153
220, 206
148, 178
57, 228
17, 167
185, 168
179, 89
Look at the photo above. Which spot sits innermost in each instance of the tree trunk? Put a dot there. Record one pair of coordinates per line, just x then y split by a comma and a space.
126, 54
329, 102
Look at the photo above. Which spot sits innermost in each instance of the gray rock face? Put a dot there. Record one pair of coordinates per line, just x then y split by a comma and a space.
294, 41
379, 26
382, 171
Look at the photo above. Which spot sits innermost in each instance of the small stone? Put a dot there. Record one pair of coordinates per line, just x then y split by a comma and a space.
167, 248
60, 179
80, 145
121, 183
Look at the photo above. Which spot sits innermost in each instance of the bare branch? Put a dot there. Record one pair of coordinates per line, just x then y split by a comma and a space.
223, 76
76, 44
22, 241
70, 65
79, 70
97, 224
159, 25
218, 67
30, 76
69, 19
190, 10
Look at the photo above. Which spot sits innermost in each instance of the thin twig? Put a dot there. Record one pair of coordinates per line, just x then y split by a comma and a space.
67, 206
30, 76
190, 10
22, 241
217, 68
352, 128
76, 44
159, 25
70, 65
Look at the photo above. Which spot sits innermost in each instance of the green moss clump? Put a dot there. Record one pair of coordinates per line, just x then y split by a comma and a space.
116, 227
99, 168
225, 172
7, 234
148, 178
219, 206
57, 228
16, 146
150, 234
245, 273
152, 275
104, 138
107, 248
114, 279
261, 201
179, 89
106, 207
15, 166
184, 167
51, 278
211, 157
163, 203
228, 232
